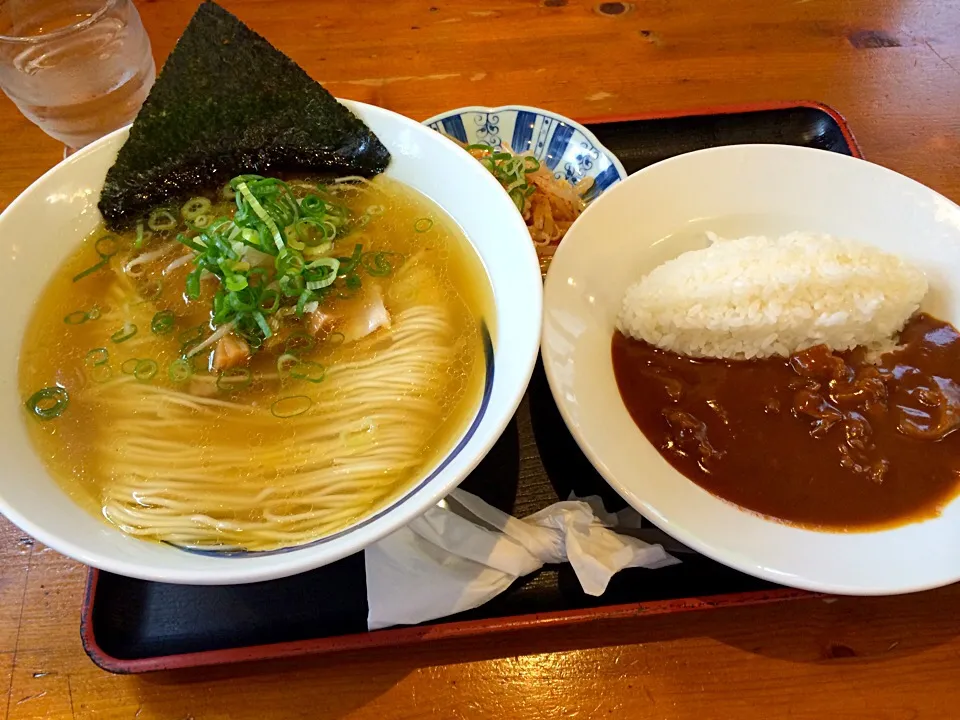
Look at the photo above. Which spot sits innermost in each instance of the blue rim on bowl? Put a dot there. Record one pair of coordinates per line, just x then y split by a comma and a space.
566, 147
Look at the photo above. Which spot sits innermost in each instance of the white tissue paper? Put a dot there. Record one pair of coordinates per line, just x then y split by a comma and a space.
464, 552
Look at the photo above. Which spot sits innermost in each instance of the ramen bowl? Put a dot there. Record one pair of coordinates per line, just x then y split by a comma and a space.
45, 224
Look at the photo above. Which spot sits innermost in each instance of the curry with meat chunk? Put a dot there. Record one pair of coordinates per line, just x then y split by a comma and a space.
820, 439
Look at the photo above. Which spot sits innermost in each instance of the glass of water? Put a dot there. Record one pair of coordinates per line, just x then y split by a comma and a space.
77, 68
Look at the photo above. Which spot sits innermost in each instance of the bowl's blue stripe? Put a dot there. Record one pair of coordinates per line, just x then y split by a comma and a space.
601, 182
488, 357
453, 126
523, 130
558, 145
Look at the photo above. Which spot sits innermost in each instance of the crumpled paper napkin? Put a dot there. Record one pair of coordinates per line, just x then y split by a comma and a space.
463, 552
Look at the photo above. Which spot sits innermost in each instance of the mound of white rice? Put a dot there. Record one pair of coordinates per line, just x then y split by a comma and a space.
757, 297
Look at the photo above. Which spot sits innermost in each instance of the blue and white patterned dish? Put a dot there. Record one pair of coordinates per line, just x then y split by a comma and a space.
566, 147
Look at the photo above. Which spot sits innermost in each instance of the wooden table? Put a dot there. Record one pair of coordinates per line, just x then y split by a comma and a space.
891, 66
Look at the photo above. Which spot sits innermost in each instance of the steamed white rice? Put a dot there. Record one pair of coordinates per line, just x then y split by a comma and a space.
755, 297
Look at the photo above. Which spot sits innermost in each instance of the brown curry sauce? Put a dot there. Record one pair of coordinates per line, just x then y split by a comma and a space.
821, 439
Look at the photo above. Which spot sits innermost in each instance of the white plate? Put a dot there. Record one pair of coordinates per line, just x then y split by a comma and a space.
664, 210
45, 223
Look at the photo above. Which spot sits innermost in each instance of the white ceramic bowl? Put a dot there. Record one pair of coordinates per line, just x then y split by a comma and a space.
43, 226
664, 210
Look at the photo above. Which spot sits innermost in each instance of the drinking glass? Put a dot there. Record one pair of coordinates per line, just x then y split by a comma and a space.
77, 68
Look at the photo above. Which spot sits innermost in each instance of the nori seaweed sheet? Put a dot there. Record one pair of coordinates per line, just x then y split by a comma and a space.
227, 102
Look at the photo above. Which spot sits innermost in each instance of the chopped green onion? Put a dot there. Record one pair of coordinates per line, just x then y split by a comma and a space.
378, 263
129, 366
234, 379
124, 333
162, 219
262, 322
92, 269
98, 359
422, 225
291, 406
299, 342
179, 370
107, 246
78, 317
348, 265
269, 301
309, 371
261, 213
98, 356
285, 362
195, 207
145, 370
334, 339
321, 273
201, 222
150, 290
138, 243
162, 322
50, 403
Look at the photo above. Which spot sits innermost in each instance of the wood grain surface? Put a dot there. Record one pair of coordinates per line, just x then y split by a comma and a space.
892, 67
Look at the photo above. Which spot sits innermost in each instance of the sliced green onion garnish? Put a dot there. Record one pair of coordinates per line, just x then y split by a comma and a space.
285, 362
261, 213
129, 367
309, 371
92, 269
145, 370
162, 219
348, 265
422, 225
195, 207
321, 273
138, 243
334, 339
98, 356
518, 197
291, 406
299, 342
234, 379
269, 301
179, 370
380, 264
107, 246
162, 323
77, 317
50, 403
124, 333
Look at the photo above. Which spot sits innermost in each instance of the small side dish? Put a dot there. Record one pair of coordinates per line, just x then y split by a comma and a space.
552, 166
548, 205
795, 377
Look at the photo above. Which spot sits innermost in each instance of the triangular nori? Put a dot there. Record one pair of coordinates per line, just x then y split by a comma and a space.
227, 102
